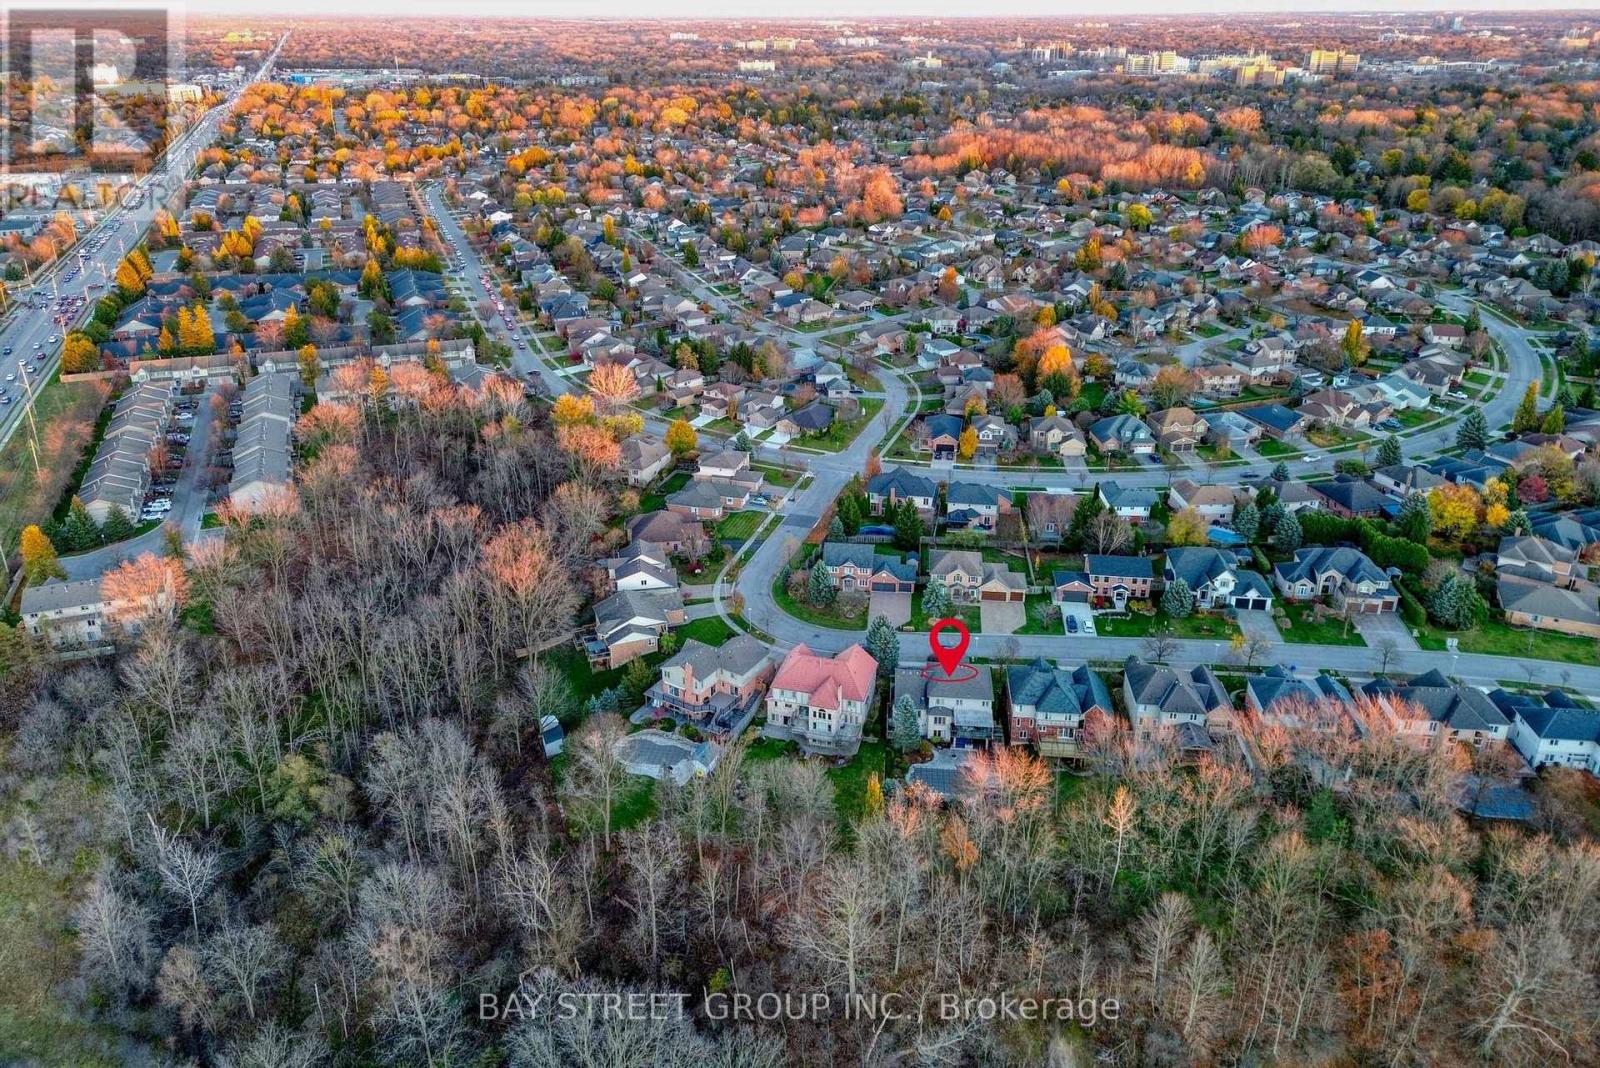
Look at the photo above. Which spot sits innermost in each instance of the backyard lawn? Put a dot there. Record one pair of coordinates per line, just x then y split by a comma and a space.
656, 499
850, 781
1304, 629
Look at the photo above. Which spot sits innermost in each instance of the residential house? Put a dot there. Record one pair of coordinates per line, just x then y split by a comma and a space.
716, 687
630, 623
1217, 580
675, 532
956, 707
1055, 435
1185, 709
975, 506
1337, 572
1552, 729
861, 567
1119, 579
1352, 497
894, 485
1122, 434
1279, 698
1048, 706
969, 579
1538, 604
1213, 503
822, 702
644, 456
1431, 707
1132, 503
1177, 429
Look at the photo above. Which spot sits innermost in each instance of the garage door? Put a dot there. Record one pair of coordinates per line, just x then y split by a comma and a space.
1252, 604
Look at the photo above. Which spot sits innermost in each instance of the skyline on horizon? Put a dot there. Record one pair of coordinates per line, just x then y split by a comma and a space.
840, 10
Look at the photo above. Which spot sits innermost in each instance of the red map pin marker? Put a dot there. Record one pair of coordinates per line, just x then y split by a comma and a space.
949, 656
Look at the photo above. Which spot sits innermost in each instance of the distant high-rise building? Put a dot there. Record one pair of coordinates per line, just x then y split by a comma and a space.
1332, 61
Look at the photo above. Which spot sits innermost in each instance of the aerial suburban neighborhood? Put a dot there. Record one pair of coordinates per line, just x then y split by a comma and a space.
487, 501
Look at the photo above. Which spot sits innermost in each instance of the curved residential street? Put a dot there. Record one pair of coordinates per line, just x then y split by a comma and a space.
831, 471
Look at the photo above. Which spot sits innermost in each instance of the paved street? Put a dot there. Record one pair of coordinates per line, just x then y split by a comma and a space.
93, 262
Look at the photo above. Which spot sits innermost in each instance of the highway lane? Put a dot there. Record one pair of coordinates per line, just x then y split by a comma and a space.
75, 281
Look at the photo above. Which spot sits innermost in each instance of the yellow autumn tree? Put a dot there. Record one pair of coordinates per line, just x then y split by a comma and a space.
570, 410
681, 437
1186, 527
1057, 359
968, 446
1456, 508
39, 560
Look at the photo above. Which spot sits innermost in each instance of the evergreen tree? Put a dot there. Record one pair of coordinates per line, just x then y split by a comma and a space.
1473, 433
1247, 521
1415, 519
1456, 603
1083, 514
80, 530
820, 591
1177, 601
850, 512
903, 729
1287, 535
1390, 453
935, 600
836, 527
117, 525
1280, 472
1555, 421
884, 645
907, 527
1271, 516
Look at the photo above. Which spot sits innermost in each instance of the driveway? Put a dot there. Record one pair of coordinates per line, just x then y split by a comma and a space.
1386, 625
1079, 611
1002, 617
895, 606
1255, 624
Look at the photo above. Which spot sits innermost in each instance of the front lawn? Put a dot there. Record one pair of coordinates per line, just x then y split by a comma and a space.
1043, 617
839, 436
778, 476
1142, 625
968, 614
1304, 628
1272, 448
830, 617
1497, 639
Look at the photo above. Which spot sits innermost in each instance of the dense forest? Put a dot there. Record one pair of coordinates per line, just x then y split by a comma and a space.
315, 828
